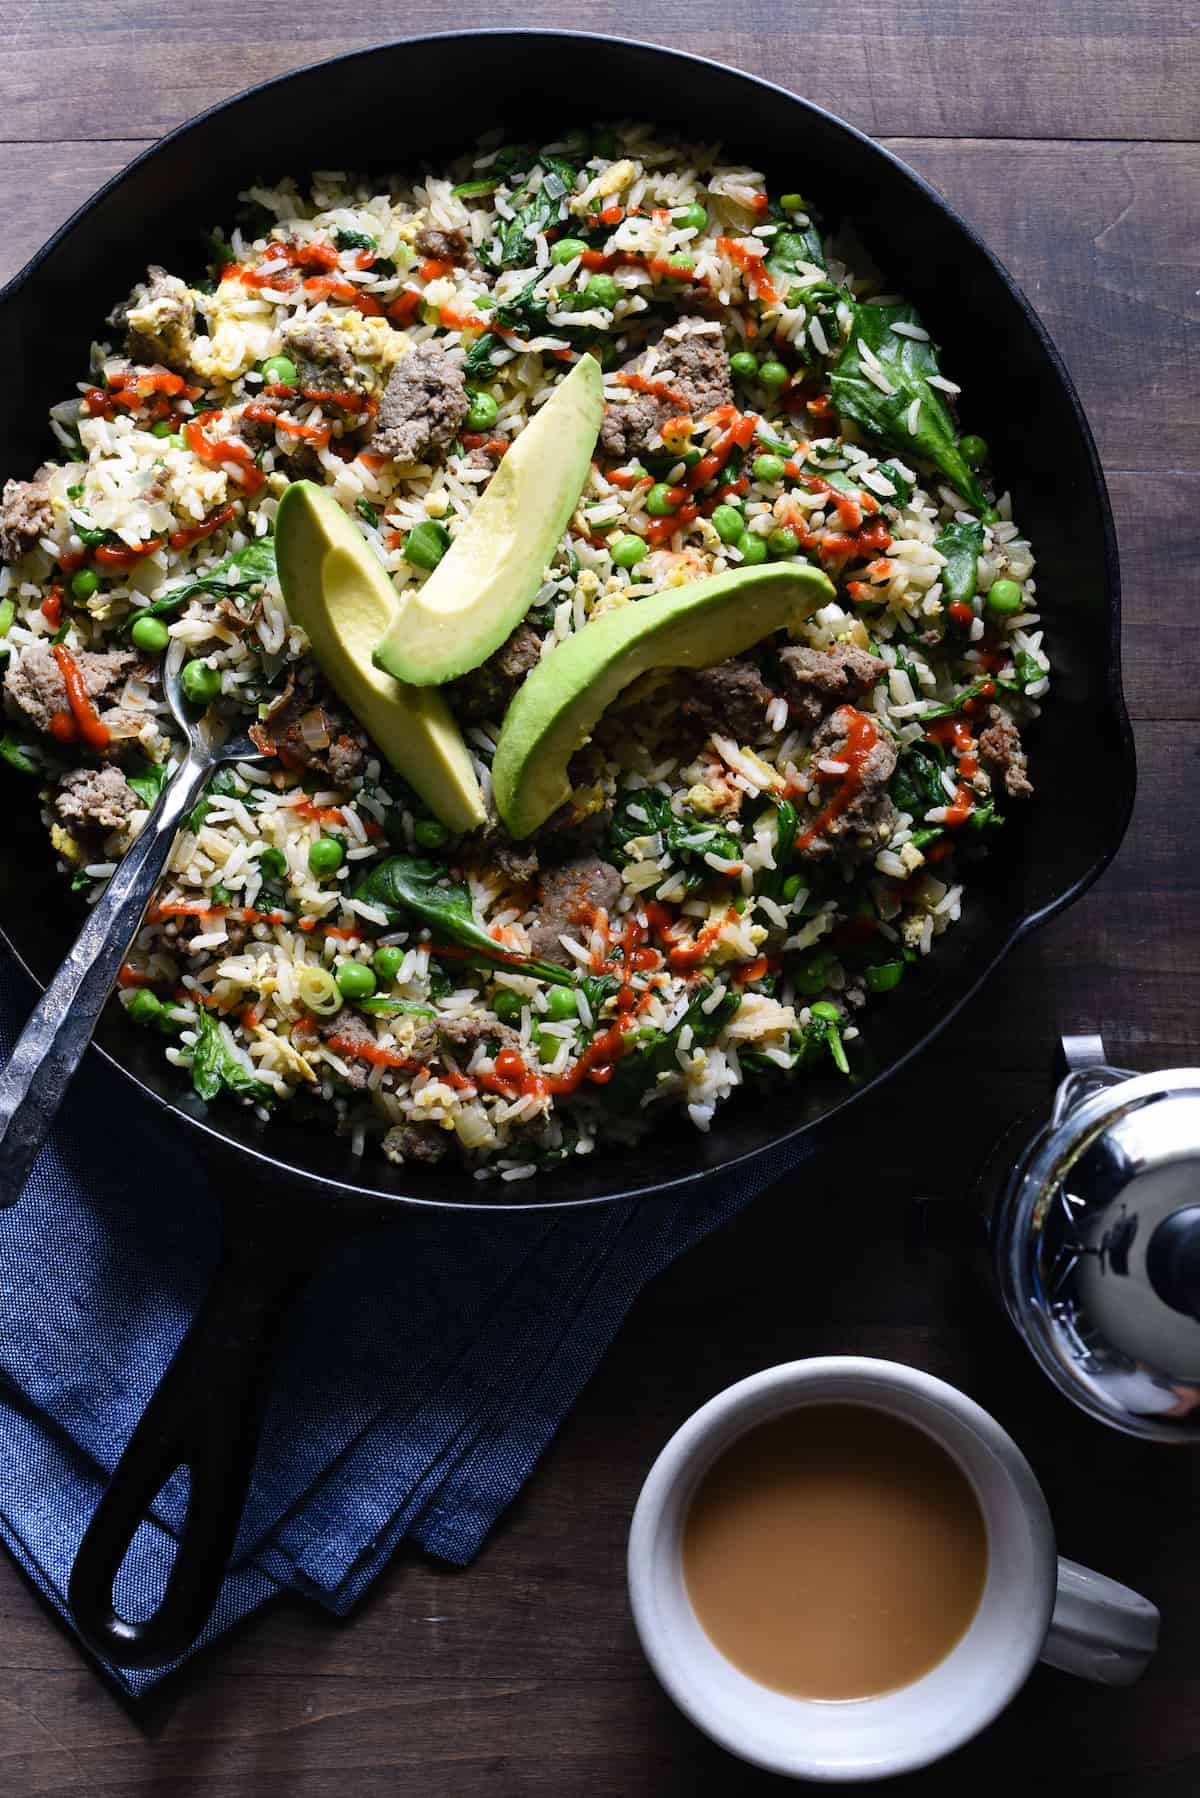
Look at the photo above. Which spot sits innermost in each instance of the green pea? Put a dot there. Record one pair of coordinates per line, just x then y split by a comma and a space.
273, 863
791, 886
691, 218
830, 1013
149, 633
754, 549
280, 369
728, 523
355, 981
659, 501
325, 856
627, 552
744, 365
567, 249
792, 202
507, 1005
84, 583
768, 468
482, 412
602, 290
426, 543
161, 427
1004, 598
974, 451
547, 1046
680, 263
884, 977
144, 1007
783, 542
560, 1004
8, 612
200, 682
429, 833
387, 962
773, 375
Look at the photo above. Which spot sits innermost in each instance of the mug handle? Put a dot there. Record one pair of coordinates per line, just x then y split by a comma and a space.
1099, 1630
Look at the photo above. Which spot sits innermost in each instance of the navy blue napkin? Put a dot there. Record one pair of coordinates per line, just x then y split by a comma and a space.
421, 1375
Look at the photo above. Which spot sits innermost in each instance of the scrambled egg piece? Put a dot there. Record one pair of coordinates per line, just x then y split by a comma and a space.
65, 844
240, 333
292, 1064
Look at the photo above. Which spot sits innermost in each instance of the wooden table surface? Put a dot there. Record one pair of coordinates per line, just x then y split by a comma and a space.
1065, 130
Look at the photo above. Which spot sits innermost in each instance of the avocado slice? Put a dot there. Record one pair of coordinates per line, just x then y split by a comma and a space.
556, 708
485, 583
337, 591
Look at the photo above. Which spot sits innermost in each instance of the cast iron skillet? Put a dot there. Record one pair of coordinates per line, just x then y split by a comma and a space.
394, 106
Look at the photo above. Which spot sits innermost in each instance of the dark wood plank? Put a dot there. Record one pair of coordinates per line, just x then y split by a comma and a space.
1069, 68
1091, 232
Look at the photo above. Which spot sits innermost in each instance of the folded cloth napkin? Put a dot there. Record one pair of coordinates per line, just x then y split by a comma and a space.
420, 1376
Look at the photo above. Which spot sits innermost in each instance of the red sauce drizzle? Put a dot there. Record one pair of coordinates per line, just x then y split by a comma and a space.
956, 733
753, 267
861, 738
95, 734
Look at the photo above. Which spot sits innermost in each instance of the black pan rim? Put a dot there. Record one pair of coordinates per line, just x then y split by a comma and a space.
347, 1193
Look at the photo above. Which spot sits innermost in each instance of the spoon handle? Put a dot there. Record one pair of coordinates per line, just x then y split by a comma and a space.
51, 1046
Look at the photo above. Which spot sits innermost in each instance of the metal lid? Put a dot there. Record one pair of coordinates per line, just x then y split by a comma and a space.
1098, 1247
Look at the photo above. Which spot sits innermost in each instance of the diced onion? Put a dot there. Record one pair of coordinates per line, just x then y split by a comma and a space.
312, 729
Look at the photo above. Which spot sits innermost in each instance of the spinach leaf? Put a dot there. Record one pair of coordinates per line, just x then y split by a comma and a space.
214, 1069
254, 564
687, 838
149, 780
223, 785
656, 1052
354, 240
904, 488
596, 989
792, 247
475, 190
916, 786
524, 313
532, 212
479, 356
440, 983
1027, 670
19, 754
220, 248
907, 364
514, 159
409, 883
787, 823
962, 545
380, 1006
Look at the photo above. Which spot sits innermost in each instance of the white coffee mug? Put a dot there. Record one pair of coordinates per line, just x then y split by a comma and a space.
1033, 1605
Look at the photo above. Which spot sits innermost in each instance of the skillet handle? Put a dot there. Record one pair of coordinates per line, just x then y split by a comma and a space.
206, 1415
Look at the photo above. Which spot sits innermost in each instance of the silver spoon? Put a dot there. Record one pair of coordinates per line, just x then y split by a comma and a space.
50, 1048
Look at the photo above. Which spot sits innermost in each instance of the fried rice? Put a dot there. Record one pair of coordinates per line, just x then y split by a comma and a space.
749, 855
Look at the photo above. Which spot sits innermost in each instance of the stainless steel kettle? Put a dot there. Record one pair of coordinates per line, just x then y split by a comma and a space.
1094, 1234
